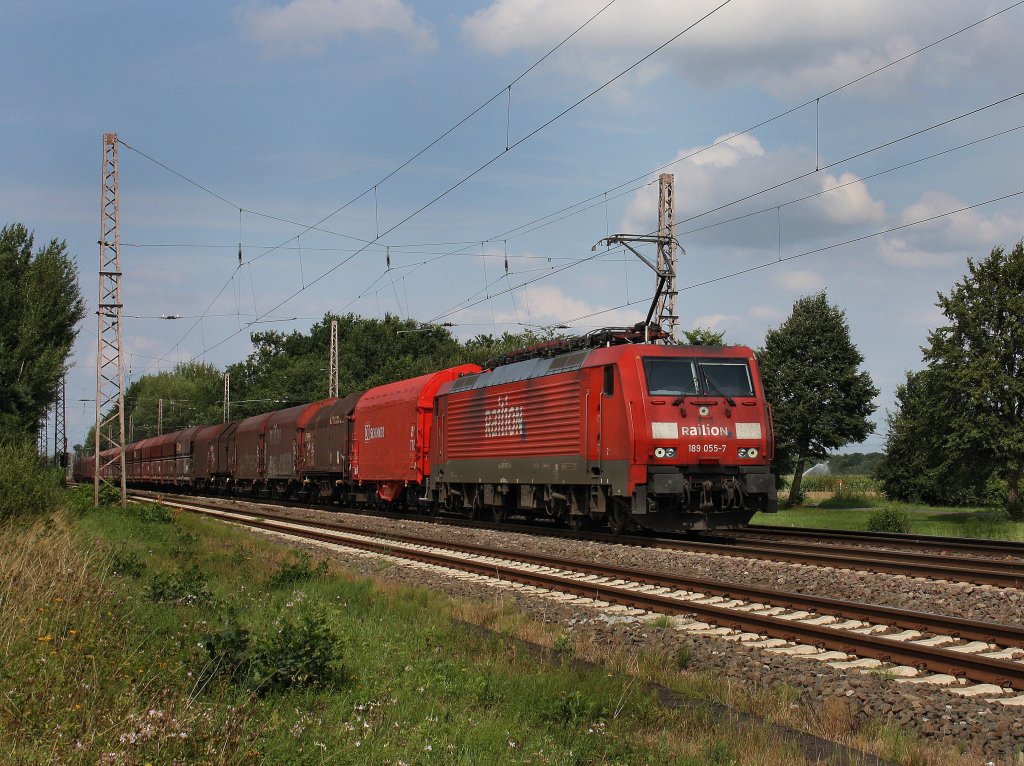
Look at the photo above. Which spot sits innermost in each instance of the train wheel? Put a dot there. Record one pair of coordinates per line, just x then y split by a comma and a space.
618, 517
477, 507
578, 522
499, 513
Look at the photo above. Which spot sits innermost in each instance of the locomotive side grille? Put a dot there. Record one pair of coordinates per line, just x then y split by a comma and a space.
542, 418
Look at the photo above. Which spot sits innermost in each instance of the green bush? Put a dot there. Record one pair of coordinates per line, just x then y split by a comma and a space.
127, 564
298, 651
149, 513
853, 484
574, 707
229, 651
849, 500
187, 586
298, 569
28, 487
889, 520
301, 653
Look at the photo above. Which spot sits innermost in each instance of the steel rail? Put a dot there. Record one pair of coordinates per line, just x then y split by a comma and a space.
953, 544
973, 666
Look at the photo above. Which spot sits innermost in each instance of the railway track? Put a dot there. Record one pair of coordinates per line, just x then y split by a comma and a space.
952, 545
980, 571
989, 654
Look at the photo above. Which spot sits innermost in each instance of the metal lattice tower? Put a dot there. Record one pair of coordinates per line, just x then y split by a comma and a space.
668, 314
332, 385
109, 355
159, 417
60, 431
42, 442
227, 396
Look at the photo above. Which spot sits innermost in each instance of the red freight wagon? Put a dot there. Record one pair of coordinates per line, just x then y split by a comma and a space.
209, 457
158, 458
664, 437
390, 441
246, 451
286, 445
183, 455
328, 438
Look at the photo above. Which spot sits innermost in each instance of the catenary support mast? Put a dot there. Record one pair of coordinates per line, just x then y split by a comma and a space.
109, 346
668, 313
332, 385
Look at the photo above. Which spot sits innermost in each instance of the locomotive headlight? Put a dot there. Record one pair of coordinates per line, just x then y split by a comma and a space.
704, 411
752, 452
670, 452
659, 452
741, 452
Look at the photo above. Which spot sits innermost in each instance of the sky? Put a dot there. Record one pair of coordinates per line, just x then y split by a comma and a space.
815, 146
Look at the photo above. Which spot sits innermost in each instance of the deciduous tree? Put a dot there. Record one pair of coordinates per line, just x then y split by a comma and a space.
40, 306
979, 355
704, 336
820, 397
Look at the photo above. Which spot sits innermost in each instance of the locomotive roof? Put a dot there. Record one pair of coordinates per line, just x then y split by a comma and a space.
538, 368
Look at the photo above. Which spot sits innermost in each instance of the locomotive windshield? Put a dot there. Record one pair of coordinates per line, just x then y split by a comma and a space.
691, 377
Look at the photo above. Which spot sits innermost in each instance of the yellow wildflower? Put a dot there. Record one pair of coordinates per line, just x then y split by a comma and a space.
45, 638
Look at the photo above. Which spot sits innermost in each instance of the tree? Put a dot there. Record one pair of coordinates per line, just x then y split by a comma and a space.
192, 395
40, 304
820, 399
979, 359
704, 336
921, 462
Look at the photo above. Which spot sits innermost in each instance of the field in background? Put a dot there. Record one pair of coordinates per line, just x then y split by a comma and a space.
850, 502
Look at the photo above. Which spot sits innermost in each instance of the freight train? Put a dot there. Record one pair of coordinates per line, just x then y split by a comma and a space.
606, 429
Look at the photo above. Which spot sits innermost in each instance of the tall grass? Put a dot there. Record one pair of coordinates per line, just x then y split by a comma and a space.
28, 487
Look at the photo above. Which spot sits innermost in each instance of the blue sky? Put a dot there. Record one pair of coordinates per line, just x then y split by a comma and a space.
292, 109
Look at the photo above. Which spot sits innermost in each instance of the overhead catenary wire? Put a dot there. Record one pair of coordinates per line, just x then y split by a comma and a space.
601, 198
828, 166
386, 177
482, 167
817, 100
815, 251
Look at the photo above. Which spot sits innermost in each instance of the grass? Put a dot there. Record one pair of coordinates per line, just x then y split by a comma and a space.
829, 505
137, 636
984, 523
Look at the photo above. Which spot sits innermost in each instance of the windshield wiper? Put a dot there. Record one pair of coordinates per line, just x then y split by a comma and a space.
715, 385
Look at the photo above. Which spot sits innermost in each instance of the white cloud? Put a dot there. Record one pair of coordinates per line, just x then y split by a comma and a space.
306, 27
849, 202
546, 305
786, 47
712, 176
949, 240
763, 313
714, 321
799, 280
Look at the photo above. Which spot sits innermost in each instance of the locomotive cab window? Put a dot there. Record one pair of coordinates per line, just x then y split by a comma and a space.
609, 380
667, 376
671, 377
727, 378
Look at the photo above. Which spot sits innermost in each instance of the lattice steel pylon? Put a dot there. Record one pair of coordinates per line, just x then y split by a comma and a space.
332, 384
109, 355
668, 314
60, 431
227, 396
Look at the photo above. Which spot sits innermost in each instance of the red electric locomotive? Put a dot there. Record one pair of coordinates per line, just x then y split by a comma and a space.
664, 438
